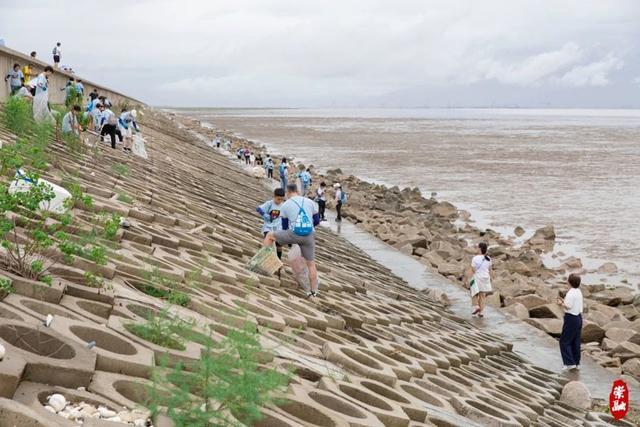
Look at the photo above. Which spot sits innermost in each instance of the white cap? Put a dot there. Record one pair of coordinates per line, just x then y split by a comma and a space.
337, 185
134, 113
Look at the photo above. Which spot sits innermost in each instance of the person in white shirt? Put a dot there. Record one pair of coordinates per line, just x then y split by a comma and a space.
70, 121
321, 200
572, 327
41, 111
57, 52
338, 199
481, 274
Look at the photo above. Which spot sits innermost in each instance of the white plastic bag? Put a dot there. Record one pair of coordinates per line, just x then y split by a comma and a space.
56, 205
41, 111
138, 147
299, 267
258, 172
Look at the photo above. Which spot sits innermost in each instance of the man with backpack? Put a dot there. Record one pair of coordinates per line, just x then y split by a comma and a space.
340, 199
284, 171
305, 181
299, 218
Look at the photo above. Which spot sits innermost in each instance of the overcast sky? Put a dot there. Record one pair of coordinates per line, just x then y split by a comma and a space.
343, 53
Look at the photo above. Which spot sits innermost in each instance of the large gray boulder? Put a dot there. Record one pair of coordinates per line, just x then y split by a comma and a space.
632, 367
591, 332
576, 394
547, 311
517, 310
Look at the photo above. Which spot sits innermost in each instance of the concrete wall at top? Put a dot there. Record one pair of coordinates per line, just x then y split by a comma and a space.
57, 80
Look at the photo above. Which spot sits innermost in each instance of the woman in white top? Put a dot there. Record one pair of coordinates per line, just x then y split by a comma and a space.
481, 274
572, 327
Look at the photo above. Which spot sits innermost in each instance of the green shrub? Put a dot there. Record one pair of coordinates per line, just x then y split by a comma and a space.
17, 116
124, 198
226, 386
6, 287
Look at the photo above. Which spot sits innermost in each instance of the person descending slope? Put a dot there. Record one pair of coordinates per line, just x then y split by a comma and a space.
270, 213
299, 219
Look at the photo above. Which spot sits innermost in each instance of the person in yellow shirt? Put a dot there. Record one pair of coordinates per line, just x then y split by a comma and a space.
27, 72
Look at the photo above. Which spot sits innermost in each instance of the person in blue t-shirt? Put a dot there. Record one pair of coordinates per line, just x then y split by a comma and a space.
270, 213
305, 181
284, 172
301, 233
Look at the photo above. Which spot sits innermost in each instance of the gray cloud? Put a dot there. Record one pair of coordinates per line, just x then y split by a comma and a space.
344, 53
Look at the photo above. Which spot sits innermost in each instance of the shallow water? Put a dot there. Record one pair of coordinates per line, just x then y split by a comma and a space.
576, 169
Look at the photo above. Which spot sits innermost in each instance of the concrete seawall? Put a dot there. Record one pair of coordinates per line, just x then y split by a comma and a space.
57, 81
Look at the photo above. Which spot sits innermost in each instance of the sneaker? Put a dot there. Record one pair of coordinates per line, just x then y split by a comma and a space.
312, 294
577, 367
566, 368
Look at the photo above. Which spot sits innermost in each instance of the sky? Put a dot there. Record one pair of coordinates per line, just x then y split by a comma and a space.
344, 53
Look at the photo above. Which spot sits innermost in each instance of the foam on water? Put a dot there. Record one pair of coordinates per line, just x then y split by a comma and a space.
576, 169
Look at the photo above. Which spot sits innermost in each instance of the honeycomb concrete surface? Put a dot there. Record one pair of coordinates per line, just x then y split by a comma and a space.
369, 351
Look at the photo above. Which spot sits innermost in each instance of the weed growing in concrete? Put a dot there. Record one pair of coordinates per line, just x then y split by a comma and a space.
124, 198
6, 287
227, 386
158, 330
163, 287
17, 116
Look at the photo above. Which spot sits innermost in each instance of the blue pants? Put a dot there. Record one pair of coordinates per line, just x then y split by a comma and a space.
570, 339
283, 182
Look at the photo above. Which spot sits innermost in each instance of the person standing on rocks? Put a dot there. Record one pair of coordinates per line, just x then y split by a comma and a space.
305, 180
338, 199
299, 218
572, 327
481, 275
284, 171
321, 200
270, 213
269, 166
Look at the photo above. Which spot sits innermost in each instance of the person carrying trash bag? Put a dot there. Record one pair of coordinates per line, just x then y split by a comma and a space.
299, 218
270, 213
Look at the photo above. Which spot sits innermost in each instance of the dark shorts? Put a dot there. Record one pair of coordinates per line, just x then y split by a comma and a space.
307, 243
56, 58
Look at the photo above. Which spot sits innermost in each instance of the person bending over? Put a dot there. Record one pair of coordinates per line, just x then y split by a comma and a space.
270, 213
299, 219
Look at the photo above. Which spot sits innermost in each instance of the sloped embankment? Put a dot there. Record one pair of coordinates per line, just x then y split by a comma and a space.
369, 351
